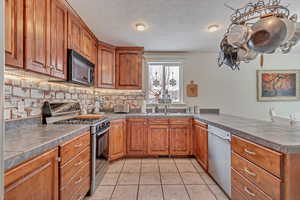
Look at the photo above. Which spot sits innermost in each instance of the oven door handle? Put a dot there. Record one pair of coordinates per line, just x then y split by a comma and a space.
103, 131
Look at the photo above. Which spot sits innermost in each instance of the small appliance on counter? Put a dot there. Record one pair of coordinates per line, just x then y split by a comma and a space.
121, 108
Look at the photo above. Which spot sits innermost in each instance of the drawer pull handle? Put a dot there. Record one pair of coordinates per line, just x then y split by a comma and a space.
248, 192
78, 163
78, 181
78, 145
249, 172
250, 152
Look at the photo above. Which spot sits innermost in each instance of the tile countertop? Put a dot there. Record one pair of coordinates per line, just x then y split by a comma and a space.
28, 142
24, 143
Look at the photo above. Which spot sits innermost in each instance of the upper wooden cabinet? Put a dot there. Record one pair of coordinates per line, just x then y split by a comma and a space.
129, 63
35, 179
180, 140
37, 36
106, 66
59, 39
117, 139
75, 33
136, 137
80, 39
14, 32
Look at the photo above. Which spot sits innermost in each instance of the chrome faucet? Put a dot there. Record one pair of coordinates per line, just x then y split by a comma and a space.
166, 109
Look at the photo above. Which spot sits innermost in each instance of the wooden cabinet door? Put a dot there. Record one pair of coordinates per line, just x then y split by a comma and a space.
75, 33
197, 133
201, 144
129, 69
14, 13
86, 46
136, 137
59, 40
158, 140
94, 53
117, 139
35, 179
106, 67
37, 36
180, 142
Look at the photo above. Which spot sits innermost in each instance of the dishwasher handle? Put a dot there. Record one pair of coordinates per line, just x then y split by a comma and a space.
226, 136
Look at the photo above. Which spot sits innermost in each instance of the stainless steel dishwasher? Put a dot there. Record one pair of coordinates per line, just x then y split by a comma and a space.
219, 157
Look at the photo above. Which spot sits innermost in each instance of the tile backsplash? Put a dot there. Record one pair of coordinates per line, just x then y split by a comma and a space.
24, 96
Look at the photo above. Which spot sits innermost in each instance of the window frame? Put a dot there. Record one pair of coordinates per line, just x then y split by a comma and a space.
166, 64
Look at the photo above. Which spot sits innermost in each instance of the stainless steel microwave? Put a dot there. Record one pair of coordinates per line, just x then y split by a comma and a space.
80, 70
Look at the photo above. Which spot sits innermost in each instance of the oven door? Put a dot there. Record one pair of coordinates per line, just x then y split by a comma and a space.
99, 158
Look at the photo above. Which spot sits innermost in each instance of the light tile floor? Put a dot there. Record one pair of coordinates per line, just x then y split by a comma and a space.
157, 179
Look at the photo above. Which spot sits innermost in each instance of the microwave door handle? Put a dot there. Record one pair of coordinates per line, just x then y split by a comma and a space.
91, 76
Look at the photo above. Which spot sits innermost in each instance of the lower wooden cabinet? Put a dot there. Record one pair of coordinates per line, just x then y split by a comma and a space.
75, 167
35, 179
200, 136
180, 140
116, 139
136, 137
158, 140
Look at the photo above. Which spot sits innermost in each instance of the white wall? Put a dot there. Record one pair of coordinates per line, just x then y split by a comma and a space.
1, 96
235, 92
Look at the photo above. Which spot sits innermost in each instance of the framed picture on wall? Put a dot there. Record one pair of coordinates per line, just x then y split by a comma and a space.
278, 85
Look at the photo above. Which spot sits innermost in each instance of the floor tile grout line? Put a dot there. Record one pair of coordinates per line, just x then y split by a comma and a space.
117, 180
138, 189
183, 182
207, 185
161, 185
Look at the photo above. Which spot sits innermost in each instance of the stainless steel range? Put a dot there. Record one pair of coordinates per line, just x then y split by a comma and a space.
99, 136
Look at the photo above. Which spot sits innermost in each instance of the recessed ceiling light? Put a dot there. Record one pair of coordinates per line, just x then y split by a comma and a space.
140, 27
213, 27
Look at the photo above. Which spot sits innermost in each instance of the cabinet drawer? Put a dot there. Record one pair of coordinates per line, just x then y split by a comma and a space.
69, 169
250, 191
267, 159
258, 176
78, 186
158, 121
179, 120
70, 149
236, 195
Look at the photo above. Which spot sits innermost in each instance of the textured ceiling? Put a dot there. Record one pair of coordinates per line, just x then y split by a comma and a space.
174, 25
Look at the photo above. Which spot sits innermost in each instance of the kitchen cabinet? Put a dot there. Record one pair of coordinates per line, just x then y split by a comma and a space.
158, 140
59, 39
75, 167
117, 139
106, 66
14, 33
80, 39
256, 171
37, 36
136, 137
200, 136
35, 179
75, 33
129, 67
180, 140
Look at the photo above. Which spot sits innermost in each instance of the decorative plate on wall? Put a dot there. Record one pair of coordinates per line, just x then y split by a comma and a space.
278, 85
